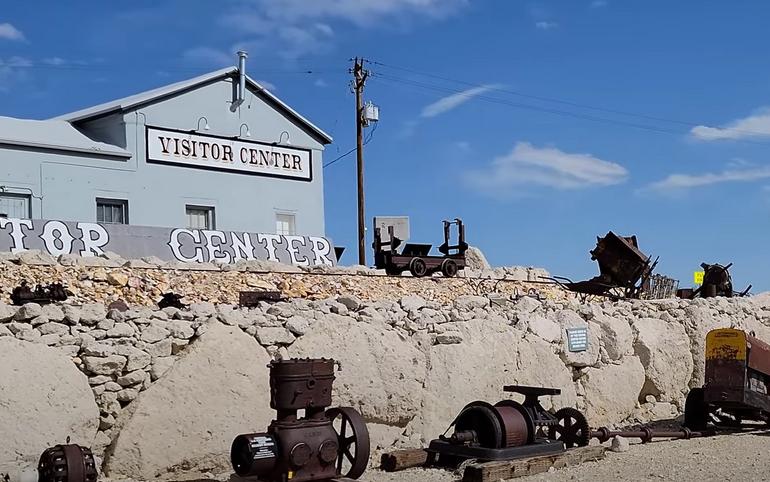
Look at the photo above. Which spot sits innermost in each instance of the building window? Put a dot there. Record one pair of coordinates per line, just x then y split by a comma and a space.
200, 217
15, 205
284, 224
111, 211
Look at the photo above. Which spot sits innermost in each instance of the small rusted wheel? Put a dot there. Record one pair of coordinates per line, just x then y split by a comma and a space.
572, 428
449, 268
696, 415
418, 268
353, 436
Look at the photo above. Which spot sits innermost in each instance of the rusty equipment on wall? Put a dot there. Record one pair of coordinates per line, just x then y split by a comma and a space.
171, 300
624, 271
41, 294
415, 258
311, 448
736, 383
510, 430
716, 282
67, 463
250, 299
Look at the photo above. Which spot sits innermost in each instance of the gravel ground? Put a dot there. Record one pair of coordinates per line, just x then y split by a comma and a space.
722, 458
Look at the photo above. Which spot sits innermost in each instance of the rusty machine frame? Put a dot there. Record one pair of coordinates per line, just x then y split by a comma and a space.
509, 430
716, 282
67, 463
415, 258
624, 271
736, 383
320, 446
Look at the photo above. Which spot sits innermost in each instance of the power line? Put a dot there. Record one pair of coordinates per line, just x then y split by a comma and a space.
369, 138
500, 101
567, 102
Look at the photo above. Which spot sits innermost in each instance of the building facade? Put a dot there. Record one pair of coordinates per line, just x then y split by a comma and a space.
217, 152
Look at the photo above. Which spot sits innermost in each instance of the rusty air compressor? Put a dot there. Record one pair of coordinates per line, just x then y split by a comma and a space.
310, 448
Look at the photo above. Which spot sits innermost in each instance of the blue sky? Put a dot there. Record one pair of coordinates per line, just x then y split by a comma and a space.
541, 123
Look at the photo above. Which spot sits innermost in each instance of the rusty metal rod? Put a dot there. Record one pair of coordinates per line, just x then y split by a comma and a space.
646, 434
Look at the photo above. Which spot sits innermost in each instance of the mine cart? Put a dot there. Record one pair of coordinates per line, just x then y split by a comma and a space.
624, 271
736, 384
416, 258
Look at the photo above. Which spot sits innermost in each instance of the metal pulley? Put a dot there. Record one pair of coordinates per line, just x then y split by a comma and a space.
67, 463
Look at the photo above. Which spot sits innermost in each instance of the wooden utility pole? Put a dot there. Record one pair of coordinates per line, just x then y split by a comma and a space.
359, 80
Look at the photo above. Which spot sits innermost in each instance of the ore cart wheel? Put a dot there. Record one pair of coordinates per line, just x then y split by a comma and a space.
572, 428
418, 268
449, 268
696, 415
353, 439
67, 463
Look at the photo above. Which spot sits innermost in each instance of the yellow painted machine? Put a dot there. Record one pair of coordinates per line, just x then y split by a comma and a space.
736, 384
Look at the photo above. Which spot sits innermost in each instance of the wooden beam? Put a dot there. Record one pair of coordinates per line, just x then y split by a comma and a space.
403, 459
511, 469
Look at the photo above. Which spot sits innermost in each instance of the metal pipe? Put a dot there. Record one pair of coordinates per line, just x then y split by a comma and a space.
646, 434
242, 55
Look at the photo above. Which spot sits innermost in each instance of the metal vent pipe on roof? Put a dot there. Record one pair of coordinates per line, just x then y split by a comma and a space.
242, 55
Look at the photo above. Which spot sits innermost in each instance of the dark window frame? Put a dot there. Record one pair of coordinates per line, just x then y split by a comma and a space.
123, 203
18, 195
212, 214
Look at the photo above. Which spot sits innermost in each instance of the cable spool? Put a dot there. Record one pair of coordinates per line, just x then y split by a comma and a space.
67, 463
501, 426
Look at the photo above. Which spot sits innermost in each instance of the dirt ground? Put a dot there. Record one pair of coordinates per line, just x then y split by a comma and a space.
722, 458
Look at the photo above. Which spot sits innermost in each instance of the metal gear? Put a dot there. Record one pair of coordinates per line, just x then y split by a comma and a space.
572, 428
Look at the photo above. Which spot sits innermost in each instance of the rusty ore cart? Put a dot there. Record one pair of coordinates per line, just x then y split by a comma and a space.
415, 258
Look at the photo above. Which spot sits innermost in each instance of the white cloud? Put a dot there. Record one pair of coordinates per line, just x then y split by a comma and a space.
13, 71
756, 125
453, 101
686, 181
9, 32
547, 166
209, 56
598, 3
543, 25
298, 28
54, 61
320, 83
361, 12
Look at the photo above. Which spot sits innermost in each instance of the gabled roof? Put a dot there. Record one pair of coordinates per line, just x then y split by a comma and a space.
53, 135
155, 95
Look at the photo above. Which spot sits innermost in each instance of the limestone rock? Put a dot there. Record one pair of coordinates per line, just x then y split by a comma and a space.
351, 302
412, 303
542, 327
619, 444
612, 392
382, 374
186, 419
475, 259
154, 332
297, 325
664, 350
44, 400
449, 338
590, 357
117, 279
109, 365
617, 337
92, 313
276, 335
6, 312
28, 312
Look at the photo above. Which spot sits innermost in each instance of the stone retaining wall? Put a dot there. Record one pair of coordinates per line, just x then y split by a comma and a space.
173, 387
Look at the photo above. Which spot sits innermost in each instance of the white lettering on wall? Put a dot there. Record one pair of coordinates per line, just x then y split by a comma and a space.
92, 246
174, 244
17, 232
321, 250
270, 240
294, 250
242, 249
216, 249
57, 238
